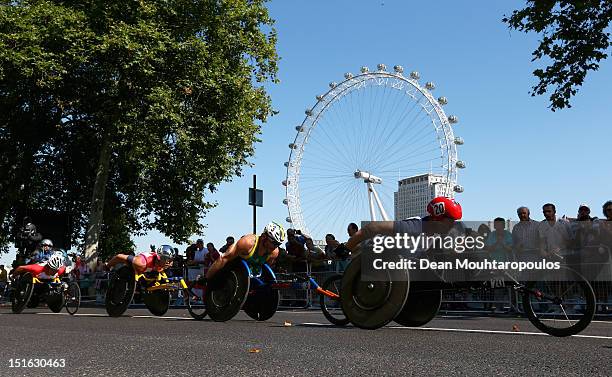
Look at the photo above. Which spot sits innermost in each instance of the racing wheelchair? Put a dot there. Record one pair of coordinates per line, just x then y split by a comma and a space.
559, 302
29, 291
155, 289
237, 287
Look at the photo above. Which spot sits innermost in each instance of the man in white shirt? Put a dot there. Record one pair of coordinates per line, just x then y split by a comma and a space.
555, 235
526, 236
201, 251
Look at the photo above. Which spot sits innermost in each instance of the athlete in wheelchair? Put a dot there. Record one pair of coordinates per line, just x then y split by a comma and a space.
146, 272
48, 281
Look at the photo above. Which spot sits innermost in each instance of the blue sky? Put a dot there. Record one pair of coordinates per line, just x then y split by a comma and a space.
517, 151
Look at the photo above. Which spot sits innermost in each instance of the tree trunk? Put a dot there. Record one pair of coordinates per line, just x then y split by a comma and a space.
94, 225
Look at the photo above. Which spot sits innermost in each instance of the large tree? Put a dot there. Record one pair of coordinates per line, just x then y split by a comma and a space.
575, 38
152, 104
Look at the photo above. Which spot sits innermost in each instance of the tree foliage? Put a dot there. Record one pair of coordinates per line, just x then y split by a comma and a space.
175, 85
575, 39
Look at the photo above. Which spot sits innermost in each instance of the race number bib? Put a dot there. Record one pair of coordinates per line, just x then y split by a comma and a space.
438, 209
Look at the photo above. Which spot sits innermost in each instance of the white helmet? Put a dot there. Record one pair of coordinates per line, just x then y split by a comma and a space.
46, 242
56, 261
276, 232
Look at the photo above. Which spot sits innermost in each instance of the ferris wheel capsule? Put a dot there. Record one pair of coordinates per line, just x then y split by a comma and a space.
381, 67
415, 75
430, 85
364, 69
398, 69
348, 75
442, 101
452, 119
458, 188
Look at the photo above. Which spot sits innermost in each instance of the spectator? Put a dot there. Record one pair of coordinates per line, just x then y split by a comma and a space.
299, 247
229, 241
554, 234
352, 229
499, 241
85, 277
201, 251
190, 253
20, 260
296, 244
605, 283
3, 280
27, 238
484, 231
585, 231
211, 256
525, 237
45, 251
330, 245
100, 284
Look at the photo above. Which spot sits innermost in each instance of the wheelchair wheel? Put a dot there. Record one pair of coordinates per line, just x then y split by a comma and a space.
34, 299
262, 305
372, 304
157, 301
55, 301
227, 291
195, 304
561, 303
332, 308
72, 298
22, 292
420, 308
120, 292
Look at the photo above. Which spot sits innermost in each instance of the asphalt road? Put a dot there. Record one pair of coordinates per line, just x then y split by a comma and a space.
298, 343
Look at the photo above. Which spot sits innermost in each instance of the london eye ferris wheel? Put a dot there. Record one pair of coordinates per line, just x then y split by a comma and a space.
356, 142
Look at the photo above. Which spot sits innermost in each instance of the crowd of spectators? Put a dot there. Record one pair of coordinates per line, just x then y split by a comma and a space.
583, 242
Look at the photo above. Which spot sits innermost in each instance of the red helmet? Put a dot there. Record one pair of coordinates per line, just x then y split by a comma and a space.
444, 207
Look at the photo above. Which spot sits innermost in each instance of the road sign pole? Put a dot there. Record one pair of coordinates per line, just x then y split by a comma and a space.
254, 204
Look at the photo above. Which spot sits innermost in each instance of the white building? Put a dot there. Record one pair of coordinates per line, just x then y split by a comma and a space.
415, 192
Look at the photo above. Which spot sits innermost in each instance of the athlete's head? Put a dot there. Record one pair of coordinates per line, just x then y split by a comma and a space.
273, 235
443, 211
165, 254
54, 263
46, 244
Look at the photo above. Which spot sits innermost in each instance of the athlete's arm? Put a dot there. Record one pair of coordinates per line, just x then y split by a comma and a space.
370, 230
272, 258
137, 261
240, 248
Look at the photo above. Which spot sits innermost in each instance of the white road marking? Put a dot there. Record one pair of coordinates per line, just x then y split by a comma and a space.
492, 331
468, 330
77, 315
157, 317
